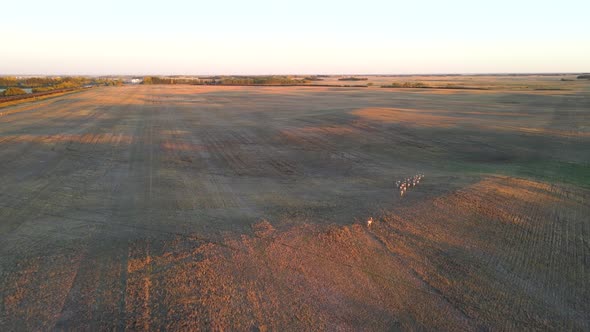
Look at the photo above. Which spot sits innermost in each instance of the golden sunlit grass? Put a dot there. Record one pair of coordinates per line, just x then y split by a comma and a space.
406, 116
106, 138
347, 276
483, 120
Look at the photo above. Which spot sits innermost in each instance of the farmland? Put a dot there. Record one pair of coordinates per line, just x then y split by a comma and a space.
179, 207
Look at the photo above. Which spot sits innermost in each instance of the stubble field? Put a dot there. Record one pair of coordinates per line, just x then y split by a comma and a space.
246, 208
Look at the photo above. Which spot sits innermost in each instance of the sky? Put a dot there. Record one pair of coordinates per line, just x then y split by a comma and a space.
173, 37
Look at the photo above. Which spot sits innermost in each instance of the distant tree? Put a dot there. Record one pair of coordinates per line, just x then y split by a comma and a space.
8, 81
406, 85
148, 80
353, 79
260, 80
585, 76
13, 92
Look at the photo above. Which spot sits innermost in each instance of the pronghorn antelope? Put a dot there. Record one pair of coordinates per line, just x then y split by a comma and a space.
408, 183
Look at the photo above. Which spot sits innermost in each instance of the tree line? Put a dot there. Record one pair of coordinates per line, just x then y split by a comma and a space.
48, 83
229, 80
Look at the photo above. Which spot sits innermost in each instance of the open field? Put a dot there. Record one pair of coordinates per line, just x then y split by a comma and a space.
532, 82
245, 208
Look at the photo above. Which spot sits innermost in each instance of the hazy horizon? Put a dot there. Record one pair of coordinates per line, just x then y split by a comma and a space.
298, 74
294, 38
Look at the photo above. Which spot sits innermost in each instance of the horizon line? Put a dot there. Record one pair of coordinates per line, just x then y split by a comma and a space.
321, 74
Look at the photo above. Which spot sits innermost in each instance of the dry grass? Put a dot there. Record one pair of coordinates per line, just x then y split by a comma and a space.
406, 116
494, 121
107, 138
245, 208
437, 264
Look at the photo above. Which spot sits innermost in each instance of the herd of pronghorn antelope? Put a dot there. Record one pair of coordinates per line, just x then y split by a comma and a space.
403, 186
406, 184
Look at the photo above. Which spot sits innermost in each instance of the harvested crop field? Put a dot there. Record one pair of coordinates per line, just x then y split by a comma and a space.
245, 208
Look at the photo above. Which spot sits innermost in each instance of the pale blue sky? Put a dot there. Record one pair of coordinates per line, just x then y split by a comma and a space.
289, 37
